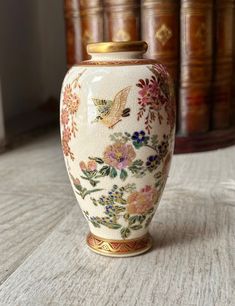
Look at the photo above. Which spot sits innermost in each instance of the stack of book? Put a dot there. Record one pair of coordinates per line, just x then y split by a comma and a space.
193, 38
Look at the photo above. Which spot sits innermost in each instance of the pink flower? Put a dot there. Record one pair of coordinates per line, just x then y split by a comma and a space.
140, 202
83, 165
70, 100
90, 166
119, 155
144, 91
66, 136
64, 117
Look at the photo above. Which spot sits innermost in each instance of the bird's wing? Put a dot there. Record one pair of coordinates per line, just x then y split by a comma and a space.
102, 106
117, 106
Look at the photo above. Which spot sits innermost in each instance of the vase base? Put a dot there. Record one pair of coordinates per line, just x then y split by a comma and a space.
119, 248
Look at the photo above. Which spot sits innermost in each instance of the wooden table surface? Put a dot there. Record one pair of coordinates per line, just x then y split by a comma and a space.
44, 259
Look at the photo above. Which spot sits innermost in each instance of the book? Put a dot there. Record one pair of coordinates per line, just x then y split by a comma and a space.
84, 24
196, 66
92, 23
122, 20
73, 32
233, 77
223, 64
160, 29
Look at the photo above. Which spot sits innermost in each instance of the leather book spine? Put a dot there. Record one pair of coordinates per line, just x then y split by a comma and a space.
122, 20
196, 20
160, 29
73, 32
223, 64
92, 23
233, 76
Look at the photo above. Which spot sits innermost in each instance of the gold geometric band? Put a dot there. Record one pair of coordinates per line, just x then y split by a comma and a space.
119, 248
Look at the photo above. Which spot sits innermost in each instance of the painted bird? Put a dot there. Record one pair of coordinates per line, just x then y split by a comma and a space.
109, 112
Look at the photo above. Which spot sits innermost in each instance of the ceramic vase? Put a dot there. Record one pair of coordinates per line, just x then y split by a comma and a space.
117, 119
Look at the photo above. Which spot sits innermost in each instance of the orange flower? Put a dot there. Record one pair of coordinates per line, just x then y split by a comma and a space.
140, 202
83, 165
90, 166
71, 100
64, 117
65, 148
66, 135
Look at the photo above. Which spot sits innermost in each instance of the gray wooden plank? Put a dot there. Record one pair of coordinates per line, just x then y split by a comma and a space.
192, 262
35, 167
34, 197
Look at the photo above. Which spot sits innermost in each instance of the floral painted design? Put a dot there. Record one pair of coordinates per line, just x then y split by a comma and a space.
140, 202
82, 191
70, 105
125, 208
154, 95
119, 158
119, 155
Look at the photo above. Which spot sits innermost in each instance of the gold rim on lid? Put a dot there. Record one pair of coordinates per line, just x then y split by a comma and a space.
120, 46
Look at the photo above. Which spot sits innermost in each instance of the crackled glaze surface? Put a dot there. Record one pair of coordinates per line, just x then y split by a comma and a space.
117, 131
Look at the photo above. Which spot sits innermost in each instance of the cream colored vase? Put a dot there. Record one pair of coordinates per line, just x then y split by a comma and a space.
117, 129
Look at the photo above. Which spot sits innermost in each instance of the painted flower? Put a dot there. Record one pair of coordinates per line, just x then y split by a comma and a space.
144, 91
64, 117
65, 147
139, 139
71, 100
83, 165
90, 166
66, 135
76, 181
140, 202
163, 146
119, 155
152, 162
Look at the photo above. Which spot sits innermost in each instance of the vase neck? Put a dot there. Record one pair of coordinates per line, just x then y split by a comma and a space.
114, 56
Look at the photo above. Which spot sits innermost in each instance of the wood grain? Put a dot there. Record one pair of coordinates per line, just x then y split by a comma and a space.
192, 261
29, 209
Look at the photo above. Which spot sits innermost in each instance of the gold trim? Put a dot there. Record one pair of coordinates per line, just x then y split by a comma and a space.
123, 46
119, 248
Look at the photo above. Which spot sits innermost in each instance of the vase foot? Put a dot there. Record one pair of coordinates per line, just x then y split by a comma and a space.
119, 248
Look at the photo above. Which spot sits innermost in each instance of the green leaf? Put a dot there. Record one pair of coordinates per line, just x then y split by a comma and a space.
136, 227
125, 232
133, 219
78, 187
113, 225
119, 209
154, 140
137, 162
93, 183
113, 173
95, 224
97, 159
123, 175
105, 170
141, 219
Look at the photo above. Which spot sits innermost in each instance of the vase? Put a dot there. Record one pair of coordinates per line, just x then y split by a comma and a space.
117, 119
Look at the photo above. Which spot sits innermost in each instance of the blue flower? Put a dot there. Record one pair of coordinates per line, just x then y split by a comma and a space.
152, 162
139, 139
